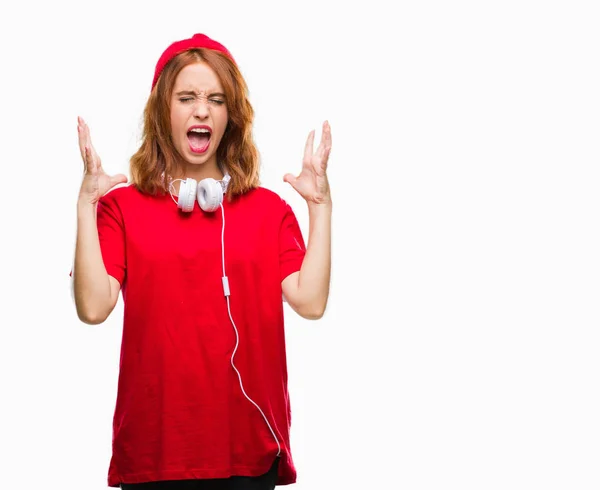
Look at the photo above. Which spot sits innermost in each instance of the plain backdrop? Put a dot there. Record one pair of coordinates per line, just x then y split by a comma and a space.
460, 345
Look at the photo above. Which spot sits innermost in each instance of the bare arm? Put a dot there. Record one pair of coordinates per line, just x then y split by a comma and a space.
95, 292
307, 290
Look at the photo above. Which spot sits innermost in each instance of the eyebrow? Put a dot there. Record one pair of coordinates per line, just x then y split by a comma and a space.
191, 92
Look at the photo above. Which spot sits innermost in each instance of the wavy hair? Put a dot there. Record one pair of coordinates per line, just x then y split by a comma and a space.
157, 159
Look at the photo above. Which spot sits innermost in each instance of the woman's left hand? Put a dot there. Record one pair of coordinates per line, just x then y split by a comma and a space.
312, 183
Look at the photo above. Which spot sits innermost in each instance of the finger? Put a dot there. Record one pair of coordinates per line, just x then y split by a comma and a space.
308, 148
81, 141
324, 162
90, 168
327, 135
323, 145
325, 142
84, 129
88, 138
88, 143
81, 135
327, 138
93, 151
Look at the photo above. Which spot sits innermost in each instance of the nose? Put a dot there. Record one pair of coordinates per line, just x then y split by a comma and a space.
201, 108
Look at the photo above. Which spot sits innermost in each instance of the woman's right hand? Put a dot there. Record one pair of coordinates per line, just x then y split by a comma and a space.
96, 182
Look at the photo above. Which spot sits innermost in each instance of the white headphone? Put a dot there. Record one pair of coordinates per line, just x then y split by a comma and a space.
208, 192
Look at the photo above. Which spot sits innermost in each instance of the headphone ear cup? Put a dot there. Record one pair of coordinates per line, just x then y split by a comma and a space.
210, 194
187, 192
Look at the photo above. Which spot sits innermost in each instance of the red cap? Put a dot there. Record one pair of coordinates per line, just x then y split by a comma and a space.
196, 41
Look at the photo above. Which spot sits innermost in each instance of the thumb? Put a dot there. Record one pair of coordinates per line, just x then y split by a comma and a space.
118, 179
289, 178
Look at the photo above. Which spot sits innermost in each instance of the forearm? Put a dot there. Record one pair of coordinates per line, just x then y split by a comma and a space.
315, 272
91, 285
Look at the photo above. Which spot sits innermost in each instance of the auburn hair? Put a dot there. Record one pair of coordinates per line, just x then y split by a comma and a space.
157, 159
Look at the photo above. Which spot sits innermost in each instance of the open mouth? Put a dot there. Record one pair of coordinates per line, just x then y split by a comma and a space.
199, 139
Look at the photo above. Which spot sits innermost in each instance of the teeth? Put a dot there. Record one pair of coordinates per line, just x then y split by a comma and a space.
200, 130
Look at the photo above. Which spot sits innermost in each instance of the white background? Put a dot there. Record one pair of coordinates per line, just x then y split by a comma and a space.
460, 346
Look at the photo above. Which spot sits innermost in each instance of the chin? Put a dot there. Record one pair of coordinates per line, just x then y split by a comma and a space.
198, 159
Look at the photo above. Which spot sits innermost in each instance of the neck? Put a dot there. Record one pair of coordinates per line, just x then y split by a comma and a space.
198, 172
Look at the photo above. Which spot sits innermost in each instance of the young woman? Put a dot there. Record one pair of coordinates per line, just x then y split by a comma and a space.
203, 257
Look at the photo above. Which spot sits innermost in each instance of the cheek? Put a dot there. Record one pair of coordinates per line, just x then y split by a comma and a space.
177, 120
223, 119
173, 123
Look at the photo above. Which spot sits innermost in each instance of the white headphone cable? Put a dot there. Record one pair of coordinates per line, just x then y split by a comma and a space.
171, 186
237, 337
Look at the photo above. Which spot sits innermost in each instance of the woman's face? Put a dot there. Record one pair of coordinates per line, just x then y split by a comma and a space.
198, 114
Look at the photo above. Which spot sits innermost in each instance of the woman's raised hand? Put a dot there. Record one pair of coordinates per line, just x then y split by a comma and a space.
96, 182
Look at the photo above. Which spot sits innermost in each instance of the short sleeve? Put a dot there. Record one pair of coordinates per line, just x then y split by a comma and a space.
292, 248
111, 232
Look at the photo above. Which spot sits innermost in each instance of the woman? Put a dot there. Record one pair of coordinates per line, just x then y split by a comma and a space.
203, 256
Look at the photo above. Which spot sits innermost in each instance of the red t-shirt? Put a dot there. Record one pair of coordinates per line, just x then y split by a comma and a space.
180, 412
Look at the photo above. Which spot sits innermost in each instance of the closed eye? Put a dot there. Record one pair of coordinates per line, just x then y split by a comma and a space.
213, 101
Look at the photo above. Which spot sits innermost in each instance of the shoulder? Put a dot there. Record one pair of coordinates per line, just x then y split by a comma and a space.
124, 201
123, 195
269, 199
